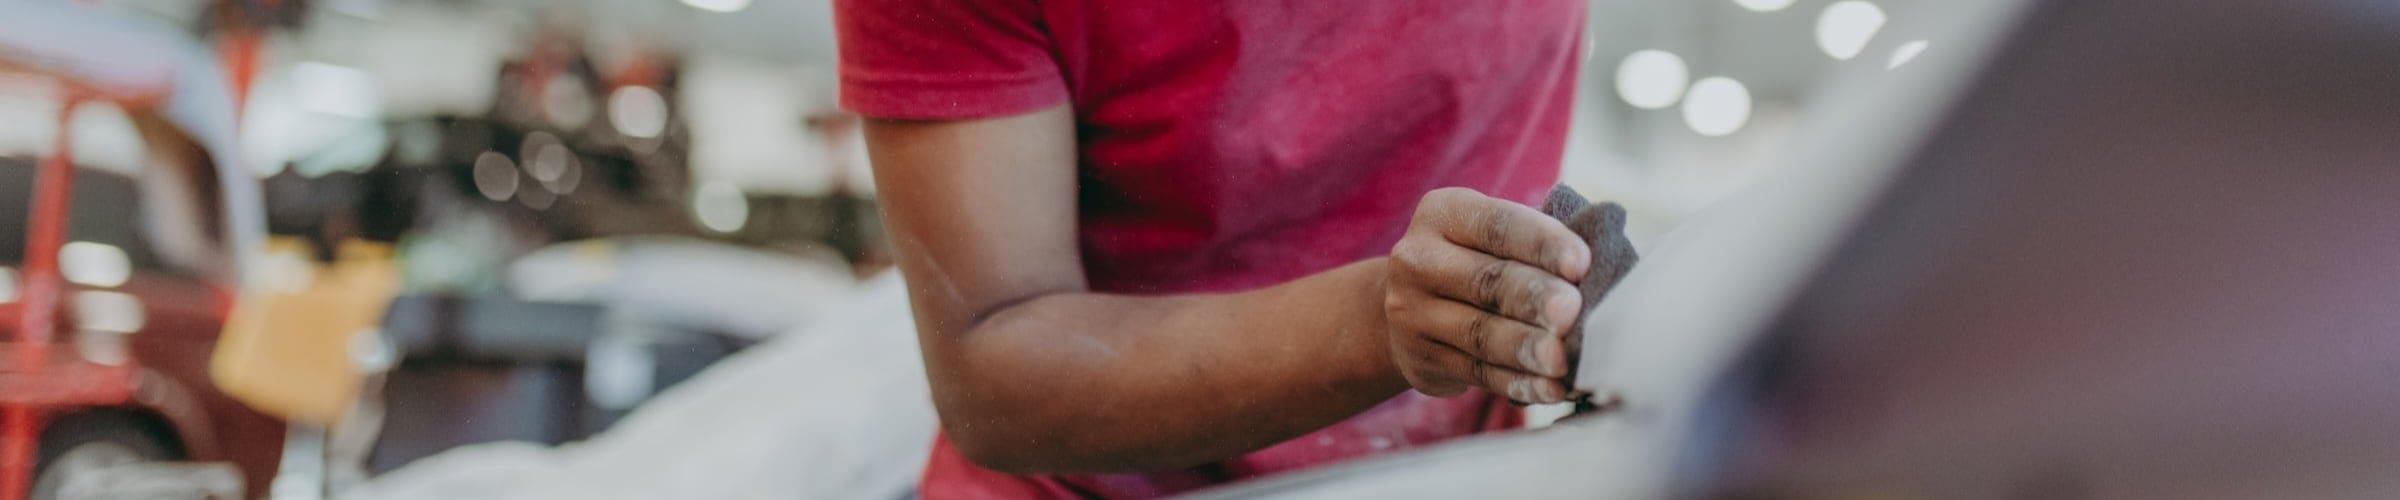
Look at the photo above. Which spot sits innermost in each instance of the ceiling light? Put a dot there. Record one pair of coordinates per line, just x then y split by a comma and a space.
1764, 5
337, 90
718, 5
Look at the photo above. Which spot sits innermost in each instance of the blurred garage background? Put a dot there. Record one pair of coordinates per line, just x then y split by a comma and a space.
510, 224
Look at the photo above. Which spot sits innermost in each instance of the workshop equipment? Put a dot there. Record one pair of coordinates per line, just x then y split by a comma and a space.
147, 404
482, 369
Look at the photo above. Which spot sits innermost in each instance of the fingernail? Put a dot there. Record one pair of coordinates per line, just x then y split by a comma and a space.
1521, 390
1550, 355
1575, 261
1562, 306
1551, 393
1530, 357
1542, 356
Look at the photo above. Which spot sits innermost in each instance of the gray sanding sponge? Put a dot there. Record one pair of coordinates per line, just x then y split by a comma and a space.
1602, 226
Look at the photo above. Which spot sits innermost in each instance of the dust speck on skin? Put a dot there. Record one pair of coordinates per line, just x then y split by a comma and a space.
1379, 443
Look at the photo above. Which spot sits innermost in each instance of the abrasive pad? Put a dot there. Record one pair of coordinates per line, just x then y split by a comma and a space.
1602, 226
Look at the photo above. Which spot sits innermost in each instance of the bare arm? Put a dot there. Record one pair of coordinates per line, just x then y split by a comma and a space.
1031, 372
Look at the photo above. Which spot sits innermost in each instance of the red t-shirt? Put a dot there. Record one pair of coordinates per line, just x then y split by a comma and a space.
1235, 144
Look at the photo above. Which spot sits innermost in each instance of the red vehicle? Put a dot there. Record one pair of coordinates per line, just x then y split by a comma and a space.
114, 287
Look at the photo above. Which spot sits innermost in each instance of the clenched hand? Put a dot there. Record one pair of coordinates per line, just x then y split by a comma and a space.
1480, 293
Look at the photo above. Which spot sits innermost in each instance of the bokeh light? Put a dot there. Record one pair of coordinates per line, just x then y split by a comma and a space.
1764, 5
721, 207
1844, 29
549, 163
107, 311
1652, 79
1907, 52
8, 285
718, 5
94, 264
637, 111
495, 176
1717, 106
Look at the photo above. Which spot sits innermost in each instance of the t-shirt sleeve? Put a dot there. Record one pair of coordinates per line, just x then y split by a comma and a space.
945, 59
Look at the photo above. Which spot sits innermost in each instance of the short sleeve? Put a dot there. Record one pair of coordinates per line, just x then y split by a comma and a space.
945, 59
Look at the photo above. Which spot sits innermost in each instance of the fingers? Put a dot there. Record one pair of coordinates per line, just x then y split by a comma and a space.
1504, 229
1480, 294
1453, 345
1493, 339
1442, 370
1508, 288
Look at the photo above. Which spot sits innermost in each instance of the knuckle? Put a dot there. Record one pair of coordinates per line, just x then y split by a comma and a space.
1479, 333
1544, 248
1443, 391
1426, 375
1423, 216
1426, 359
1486, 375
1532, 293
1497, 378
1496, 225
1414, 377
1445, 194
1435, 201
1409, 255
1487, 282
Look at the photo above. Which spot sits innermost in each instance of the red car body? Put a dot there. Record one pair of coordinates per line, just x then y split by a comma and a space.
161, 384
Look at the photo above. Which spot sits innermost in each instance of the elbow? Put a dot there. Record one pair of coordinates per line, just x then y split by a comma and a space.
1029, 443
1032, 451
993, 450
989, 429
985, 429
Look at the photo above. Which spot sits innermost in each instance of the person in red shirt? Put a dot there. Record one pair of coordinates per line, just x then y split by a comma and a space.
1154, 246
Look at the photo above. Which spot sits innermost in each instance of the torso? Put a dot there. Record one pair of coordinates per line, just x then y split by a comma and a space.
1235, 144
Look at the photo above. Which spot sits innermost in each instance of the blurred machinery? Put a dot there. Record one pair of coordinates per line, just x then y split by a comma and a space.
116, 300
490, 335
467, 283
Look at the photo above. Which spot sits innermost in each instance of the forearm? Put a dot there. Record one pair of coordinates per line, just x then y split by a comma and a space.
1096, 382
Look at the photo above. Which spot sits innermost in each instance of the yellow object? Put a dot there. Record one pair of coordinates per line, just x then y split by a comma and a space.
286, 350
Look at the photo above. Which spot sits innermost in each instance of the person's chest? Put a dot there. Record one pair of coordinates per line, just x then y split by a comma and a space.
1268, 81
1215, 135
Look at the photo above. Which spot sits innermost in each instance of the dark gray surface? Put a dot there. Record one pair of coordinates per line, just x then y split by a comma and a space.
106, 208
490, 328
434, 405
2155, 254
484, 369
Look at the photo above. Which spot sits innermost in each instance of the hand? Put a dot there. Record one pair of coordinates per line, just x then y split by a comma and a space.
1480, 293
